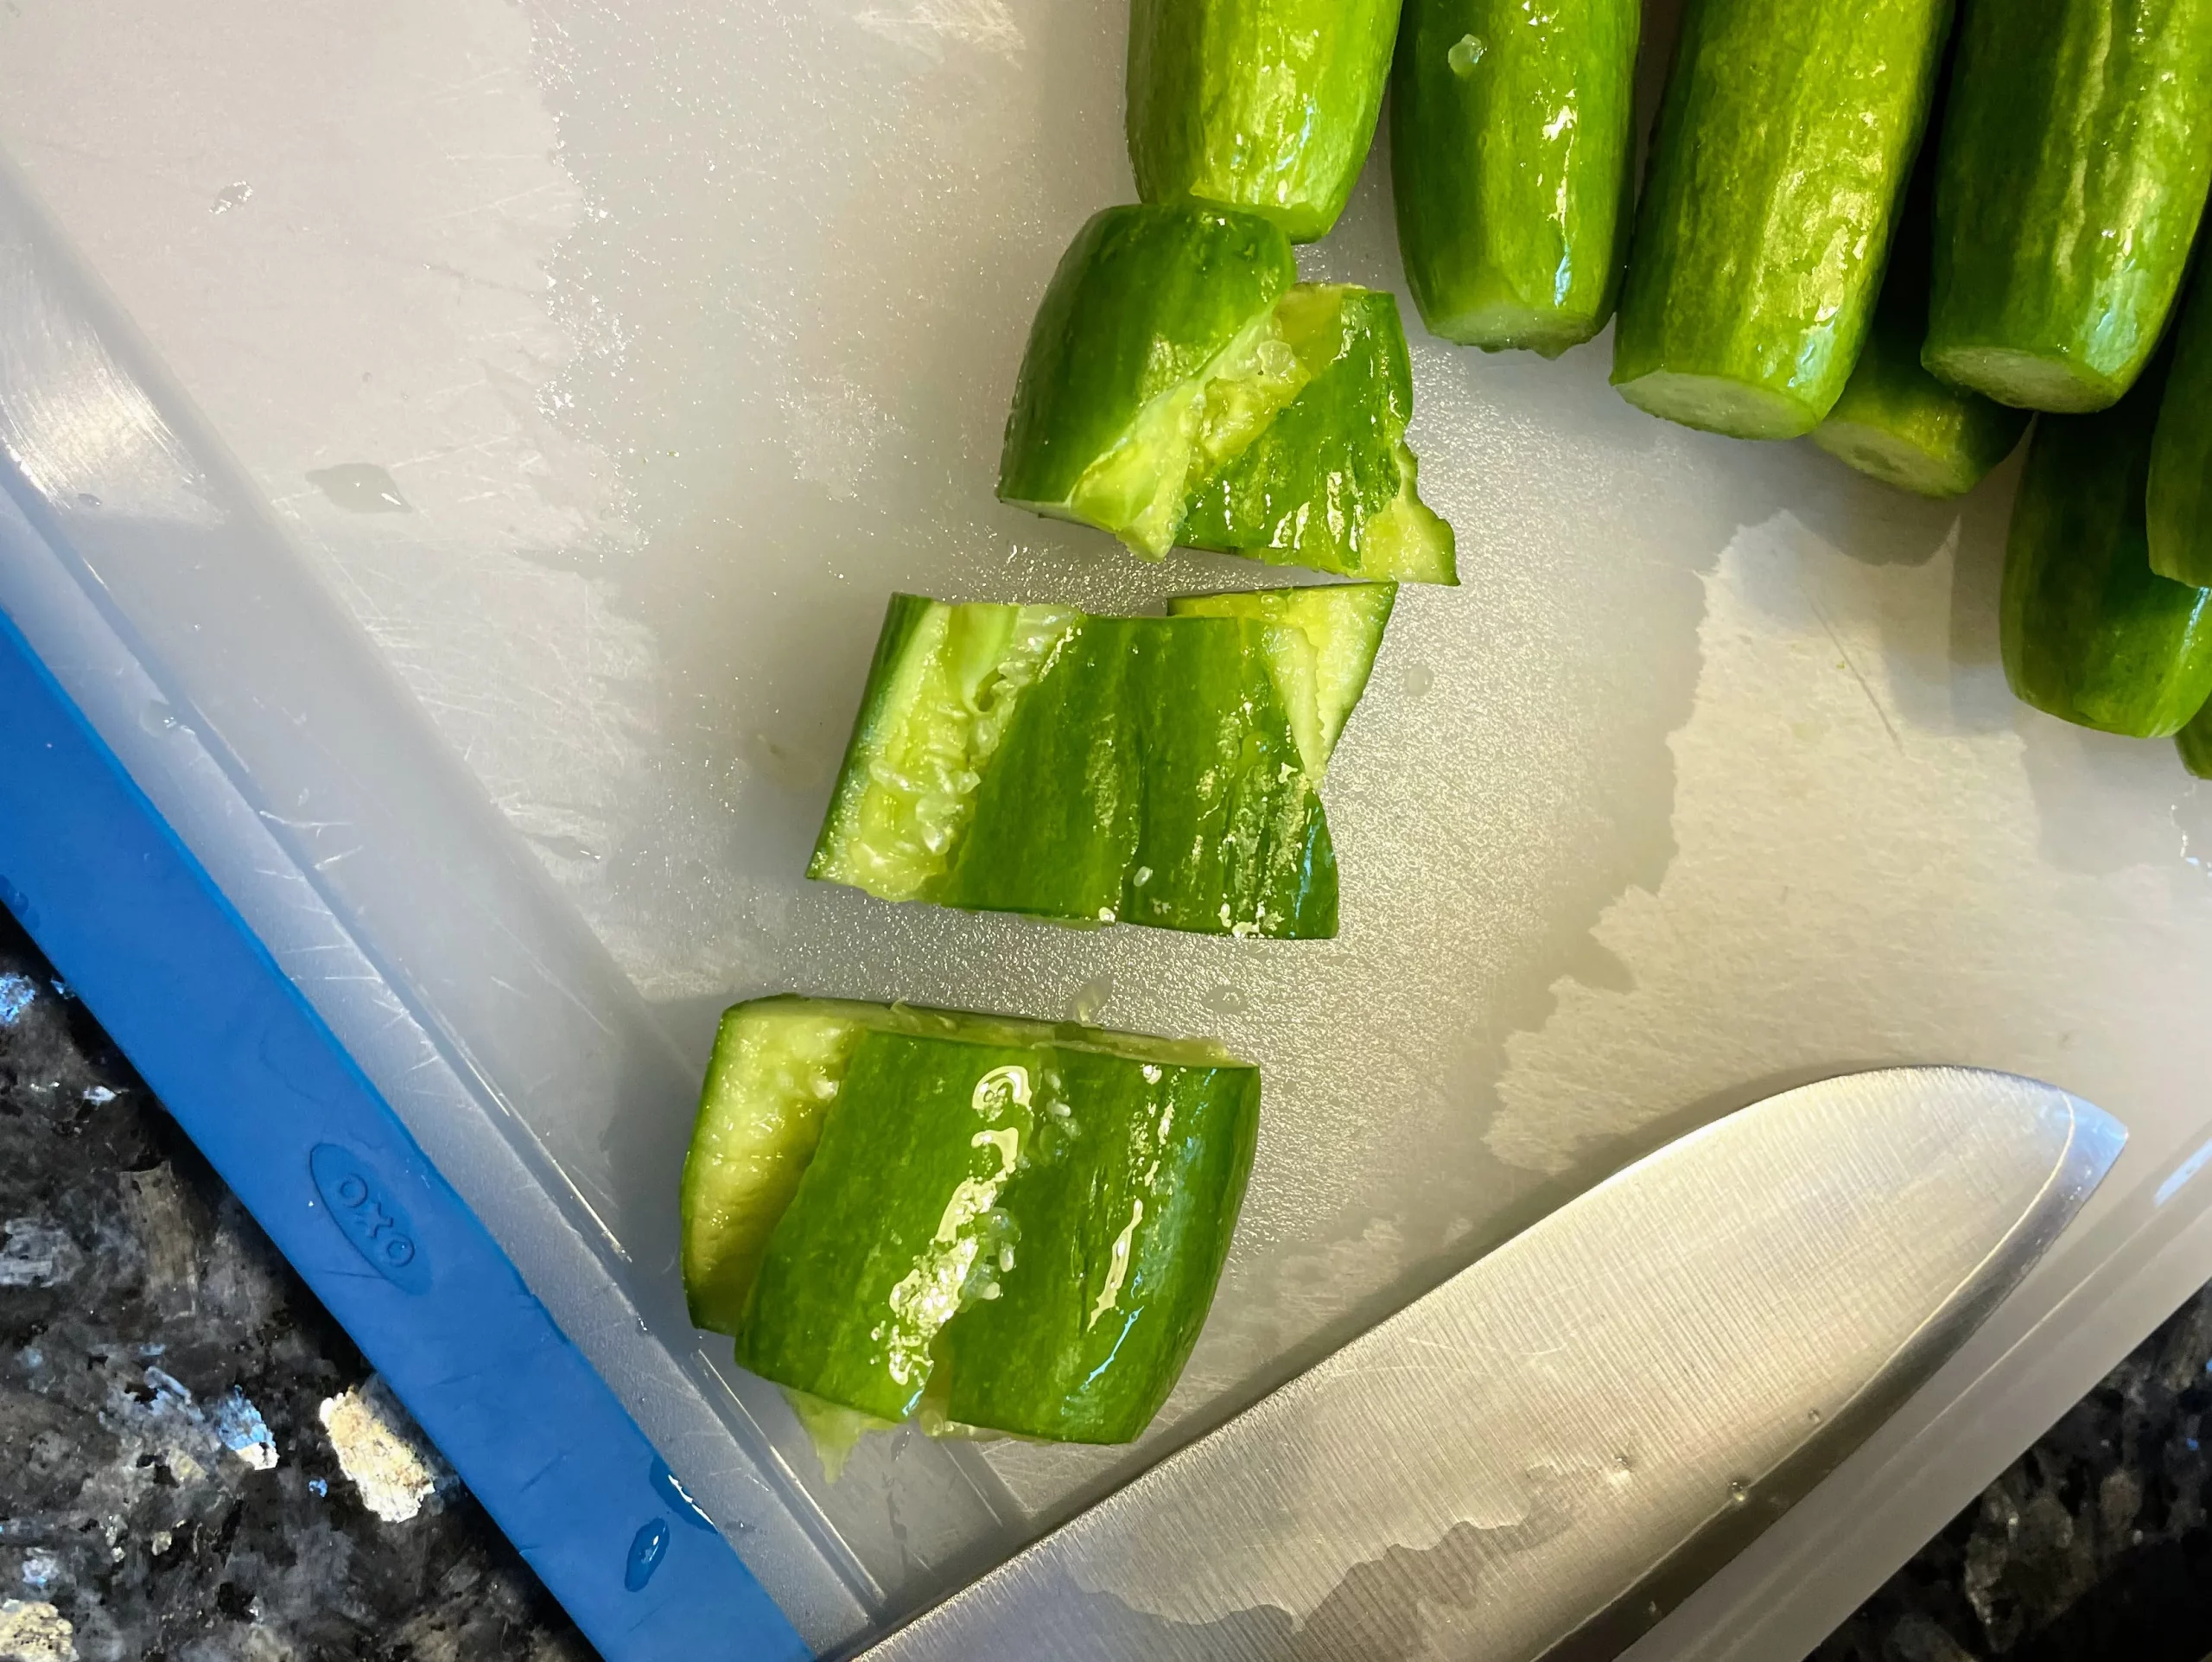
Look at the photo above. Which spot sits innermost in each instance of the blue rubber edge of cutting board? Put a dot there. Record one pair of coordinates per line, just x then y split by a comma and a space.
137, 930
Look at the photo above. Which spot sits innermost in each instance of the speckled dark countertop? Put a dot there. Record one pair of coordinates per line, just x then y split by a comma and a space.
195, 1463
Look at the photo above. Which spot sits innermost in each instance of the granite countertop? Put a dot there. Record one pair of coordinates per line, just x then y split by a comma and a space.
196, 1464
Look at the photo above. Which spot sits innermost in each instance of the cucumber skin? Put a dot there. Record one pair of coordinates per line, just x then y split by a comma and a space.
2194, 743
2075, 155
895, 1150
1304, 491
1209, 119
1895, 421
2179, 500
1498, 204
1772, 197
1042, 1359
1144, 297
1107, 771
2091, 633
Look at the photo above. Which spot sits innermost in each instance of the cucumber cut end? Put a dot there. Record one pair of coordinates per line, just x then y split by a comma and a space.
2026, 380
1716, 404
1880, 454
776, 1067
1509, 326
1408, 541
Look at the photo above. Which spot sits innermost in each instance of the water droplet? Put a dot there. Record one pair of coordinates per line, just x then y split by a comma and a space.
86, 499
1812, 1416
1466, 51
1088, 1002
360, 487
237, 194
1227, 1001
1420, 679
157, 717
1739, 1490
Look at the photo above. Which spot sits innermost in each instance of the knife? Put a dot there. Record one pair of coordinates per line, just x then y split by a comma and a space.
1547, 1453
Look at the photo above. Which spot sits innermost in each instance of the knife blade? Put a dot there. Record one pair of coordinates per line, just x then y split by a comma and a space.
1544, 1454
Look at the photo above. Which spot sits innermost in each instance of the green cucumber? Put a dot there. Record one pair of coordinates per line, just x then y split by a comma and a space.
1027, 1220
1342, 622
1267, 106
2091, 633
1785, 141
2194, 743
1512, 141
2180, 495
1328, 482
1154, 345
1895, 421
1101, 769
2075, 155
1177, 386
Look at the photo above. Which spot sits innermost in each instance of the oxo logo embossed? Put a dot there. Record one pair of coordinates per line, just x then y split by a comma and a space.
363, 1207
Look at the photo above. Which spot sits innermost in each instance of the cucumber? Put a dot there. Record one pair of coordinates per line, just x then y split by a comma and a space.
1268, 105
1177, 386
1026, 1221
2194, 743
2180, 494
1342, 622
2091, 633
1785, 140
1895, 421
1512, 141
1328, 482
2075, 160
1156, 340
1162, 771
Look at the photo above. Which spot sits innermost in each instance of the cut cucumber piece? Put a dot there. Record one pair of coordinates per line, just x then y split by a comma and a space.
1179, 388
2091, 633
2075, 155
2194, 743
1784, 144
1268, 105
1512, 136
1345, 624
1155, 350
1895, 421
2180, 497
1145, 769
1069, 1193
1329, 482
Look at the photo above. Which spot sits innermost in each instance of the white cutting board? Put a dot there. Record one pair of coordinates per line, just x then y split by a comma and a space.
614, 361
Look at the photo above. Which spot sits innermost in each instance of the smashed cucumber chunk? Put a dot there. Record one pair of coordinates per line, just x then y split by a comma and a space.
1342, 623
1180, 386
1011, 1227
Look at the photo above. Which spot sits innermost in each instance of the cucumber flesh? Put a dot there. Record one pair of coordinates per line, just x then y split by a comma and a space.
1329, 482
1266, 105
2180, 502
1785, 141
1344, 622
2091, 633
1512, 140
2076, 155
777, 1064
2194, 743
1068, 1193
1156, 770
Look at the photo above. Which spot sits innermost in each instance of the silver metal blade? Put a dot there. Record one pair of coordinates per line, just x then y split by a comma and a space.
1552, 1448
